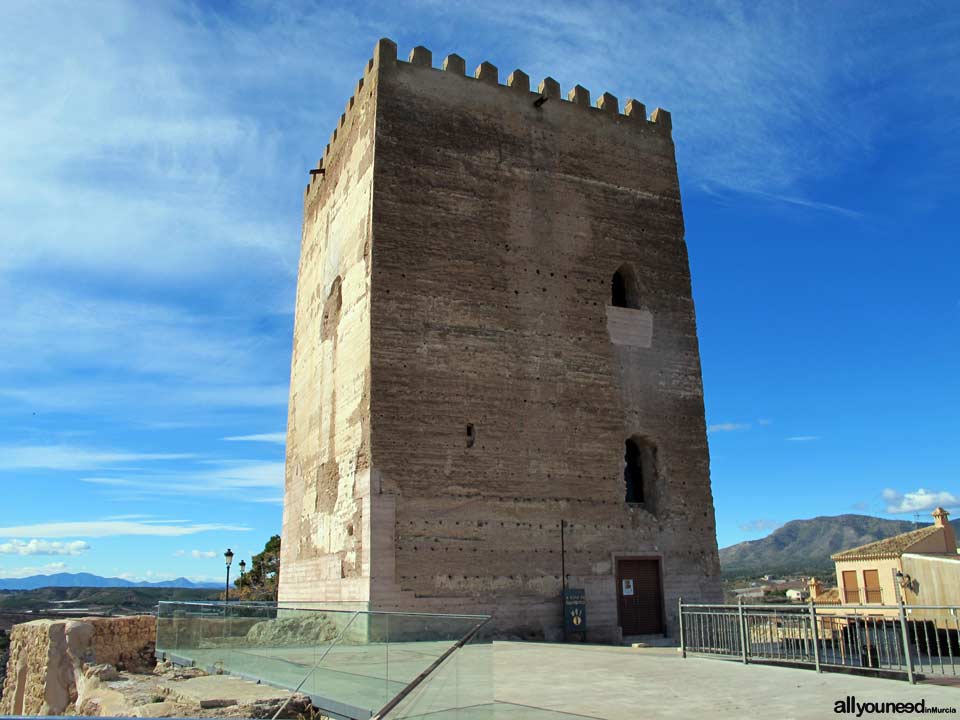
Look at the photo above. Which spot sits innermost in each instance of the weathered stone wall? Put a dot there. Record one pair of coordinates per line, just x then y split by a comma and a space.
497, 225
328, 428
47, 659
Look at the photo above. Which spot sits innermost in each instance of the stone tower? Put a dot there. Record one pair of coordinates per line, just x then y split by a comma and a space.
495, 337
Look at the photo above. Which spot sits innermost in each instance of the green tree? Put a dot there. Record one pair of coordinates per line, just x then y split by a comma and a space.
262, 580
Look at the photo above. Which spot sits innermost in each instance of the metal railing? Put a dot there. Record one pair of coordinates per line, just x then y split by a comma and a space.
904, 641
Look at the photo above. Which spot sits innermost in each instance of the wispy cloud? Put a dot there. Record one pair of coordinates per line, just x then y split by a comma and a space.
112, 528
280, 438
253, 481
812, 204
727, 427
156, 396
67, 457
918, 501
277, 500
759, 525
43, 547
198, 554
803, 438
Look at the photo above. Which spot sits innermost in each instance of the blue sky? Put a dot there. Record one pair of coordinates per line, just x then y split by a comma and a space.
153, 162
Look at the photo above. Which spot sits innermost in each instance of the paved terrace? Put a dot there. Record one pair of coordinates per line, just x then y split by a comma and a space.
542, 680
618, 683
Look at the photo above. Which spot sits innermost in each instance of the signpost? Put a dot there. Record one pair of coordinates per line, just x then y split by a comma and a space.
575, 614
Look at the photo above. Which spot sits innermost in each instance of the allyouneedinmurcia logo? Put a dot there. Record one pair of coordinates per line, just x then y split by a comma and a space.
850, 706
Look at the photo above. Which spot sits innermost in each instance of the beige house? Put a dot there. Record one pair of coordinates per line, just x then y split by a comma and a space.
869, 574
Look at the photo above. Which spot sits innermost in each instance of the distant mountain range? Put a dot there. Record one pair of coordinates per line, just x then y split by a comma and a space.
87, 580
805, 546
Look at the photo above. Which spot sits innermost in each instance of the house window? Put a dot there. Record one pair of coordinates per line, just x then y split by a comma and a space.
625, 288
851, 591
871, 586
640, 470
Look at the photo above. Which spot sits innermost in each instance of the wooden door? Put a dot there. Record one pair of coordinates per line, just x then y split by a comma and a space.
639, 596
871, 587
851, 591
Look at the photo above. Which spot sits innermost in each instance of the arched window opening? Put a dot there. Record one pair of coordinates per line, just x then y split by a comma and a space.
625, 288
640, 470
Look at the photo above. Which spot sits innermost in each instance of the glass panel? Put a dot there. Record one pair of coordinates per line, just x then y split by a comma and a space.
351, 662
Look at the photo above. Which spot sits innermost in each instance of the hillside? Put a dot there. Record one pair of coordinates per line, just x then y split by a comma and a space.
73, 601
805, 546
87, 580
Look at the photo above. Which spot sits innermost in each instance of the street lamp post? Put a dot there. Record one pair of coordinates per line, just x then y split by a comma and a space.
243, 567
228, 556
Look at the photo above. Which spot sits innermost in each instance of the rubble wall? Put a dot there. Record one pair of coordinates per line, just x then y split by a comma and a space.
45, 668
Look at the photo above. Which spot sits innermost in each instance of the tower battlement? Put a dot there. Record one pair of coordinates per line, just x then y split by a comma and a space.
606, 106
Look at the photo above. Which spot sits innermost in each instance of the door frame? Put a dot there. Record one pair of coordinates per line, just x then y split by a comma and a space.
658, 557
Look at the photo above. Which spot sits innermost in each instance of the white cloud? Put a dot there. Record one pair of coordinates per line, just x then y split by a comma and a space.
803, 438
764, 422
918, 500
280, 438
111, 528
43, 547
22, 572
727, 427
67, 457
196, 553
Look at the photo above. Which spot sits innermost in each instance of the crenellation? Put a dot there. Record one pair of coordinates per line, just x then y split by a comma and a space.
421, 56
661, 118
455, 64
488, 73
519, 81
385, 52
609, 103
635, 109
550, 88
385, 55
579, 95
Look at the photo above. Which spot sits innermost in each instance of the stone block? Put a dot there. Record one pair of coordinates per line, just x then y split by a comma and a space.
487, 72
